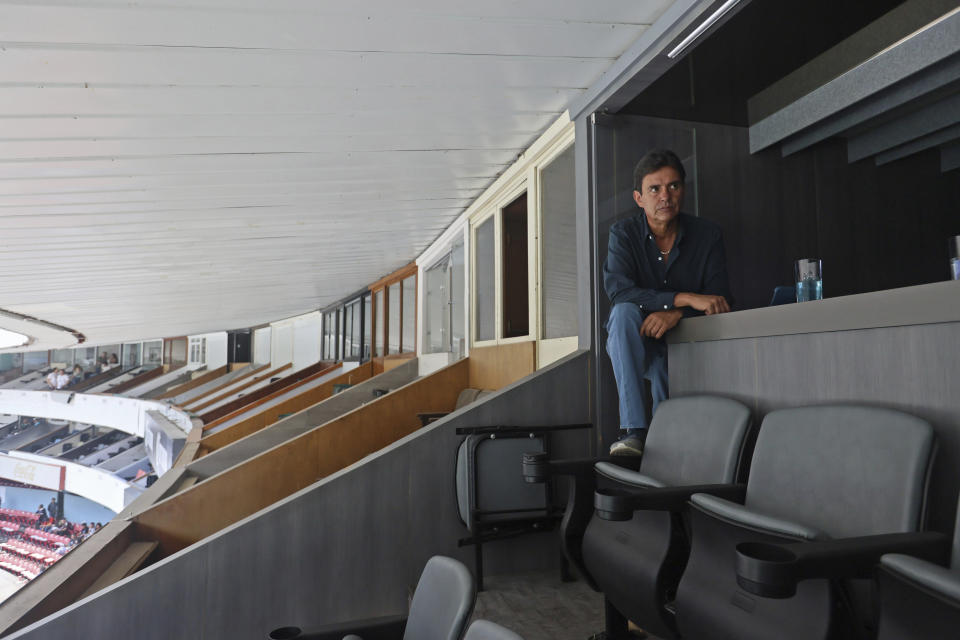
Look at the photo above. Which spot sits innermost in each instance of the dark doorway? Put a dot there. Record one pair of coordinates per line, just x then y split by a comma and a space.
238, 346
516, 305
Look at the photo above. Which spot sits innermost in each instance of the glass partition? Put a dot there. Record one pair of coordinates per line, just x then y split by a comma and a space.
152, 352
62, 357
458, 332
131, 354
393, 321
409, 341
378, 325
437, 308
367, 327
485, 270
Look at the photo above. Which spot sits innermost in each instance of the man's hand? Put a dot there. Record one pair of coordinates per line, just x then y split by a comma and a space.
702, 302
659, 322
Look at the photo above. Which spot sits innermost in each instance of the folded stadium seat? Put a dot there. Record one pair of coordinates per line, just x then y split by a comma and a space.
465, 397
441, 606
831, 488
493, 500
634, 548
486, 630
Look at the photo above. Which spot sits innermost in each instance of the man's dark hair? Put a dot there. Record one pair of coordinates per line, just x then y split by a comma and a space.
655, 160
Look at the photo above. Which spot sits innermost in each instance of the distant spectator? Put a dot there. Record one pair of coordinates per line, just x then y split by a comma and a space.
77, 374
52, 378
52, 507
63, 379
111, 363
101, 362
41, 513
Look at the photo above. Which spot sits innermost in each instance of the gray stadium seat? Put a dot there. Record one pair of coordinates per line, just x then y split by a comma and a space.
920, 596
440, 609
486, 630
697, 443
831, 488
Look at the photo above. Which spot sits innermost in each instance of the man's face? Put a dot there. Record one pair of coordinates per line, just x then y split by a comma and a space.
662, 195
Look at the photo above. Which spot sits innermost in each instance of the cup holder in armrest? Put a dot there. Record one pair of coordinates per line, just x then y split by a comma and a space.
767, 570
535, 467
613, 505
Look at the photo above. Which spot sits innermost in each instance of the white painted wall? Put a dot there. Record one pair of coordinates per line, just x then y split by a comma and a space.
216, 348
117, 412
296, 340
261, 345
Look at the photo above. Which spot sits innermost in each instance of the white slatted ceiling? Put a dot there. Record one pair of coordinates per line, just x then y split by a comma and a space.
177, 168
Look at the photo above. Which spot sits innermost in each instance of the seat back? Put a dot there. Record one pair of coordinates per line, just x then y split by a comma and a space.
442, 602
696, 440
486, 630
845, 470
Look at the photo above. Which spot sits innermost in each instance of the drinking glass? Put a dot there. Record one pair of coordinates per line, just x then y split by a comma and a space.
955, 257
809, 279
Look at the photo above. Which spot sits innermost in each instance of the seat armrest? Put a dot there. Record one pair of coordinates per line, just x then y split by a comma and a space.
772, 570
925, 575
537, 467
385, 628
619, 504
739, 515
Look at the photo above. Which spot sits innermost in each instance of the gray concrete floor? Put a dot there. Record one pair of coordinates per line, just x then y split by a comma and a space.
539, 606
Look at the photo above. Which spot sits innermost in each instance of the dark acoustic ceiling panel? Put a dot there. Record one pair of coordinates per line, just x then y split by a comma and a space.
903, 100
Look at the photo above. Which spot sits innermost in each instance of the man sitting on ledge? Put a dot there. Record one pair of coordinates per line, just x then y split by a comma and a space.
661, 266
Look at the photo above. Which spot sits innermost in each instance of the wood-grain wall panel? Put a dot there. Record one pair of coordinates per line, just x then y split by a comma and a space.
270, 415
271, 390
242, 490
206, 394
234, 389
497, 366
196, 382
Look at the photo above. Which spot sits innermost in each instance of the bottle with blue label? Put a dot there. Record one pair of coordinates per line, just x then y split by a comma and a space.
955, 257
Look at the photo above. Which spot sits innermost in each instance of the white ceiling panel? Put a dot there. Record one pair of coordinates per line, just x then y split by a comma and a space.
172, 168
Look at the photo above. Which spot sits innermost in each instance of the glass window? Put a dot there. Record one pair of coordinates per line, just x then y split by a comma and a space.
10, 361
347, 329
458, 333
330, 335
485, 311
409, 342
111, 354
130, 356
355, 330
393, 318
62, 356
436, 312
341, 332
198, 350
151, 352
367, 322
33, 360
378, 325
559, 247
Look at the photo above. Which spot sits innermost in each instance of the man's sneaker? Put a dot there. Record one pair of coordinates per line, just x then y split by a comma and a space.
628, 446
